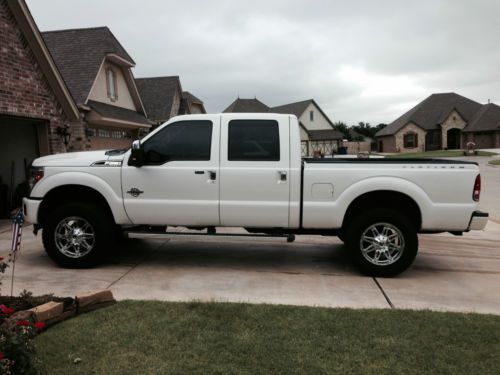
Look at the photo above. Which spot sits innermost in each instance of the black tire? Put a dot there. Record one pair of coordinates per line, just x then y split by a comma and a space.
101, 225
400, 228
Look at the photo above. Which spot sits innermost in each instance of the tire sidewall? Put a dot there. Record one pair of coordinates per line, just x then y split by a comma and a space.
360, 223
100, 222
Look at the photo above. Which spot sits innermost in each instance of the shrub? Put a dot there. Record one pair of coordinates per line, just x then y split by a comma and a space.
17, 353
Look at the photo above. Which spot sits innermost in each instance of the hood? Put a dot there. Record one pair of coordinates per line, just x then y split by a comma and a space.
78, 159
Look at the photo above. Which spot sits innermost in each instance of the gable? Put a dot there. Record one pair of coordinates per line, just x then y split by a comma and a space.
319, 122
78, 54
99, 91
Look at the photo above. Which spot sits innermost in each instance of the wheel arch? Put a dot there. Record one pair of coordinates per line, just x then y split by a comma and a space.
72, 193
395, 200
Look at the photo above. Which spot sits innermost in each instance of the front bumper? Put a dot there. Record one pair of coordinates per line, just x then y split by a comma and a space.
478, 220
30, 209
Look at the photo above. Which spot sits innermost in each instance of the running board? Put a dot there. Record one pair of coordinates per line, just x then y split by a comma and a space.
204, 236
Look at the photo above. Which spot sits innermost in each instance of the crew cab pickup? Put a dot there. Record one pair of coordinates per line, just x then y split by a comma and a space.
246, 170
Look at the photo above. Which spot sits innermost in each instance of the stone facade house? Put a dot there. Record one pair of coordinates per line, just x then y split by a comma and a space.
98, 72
316, 130
163, 98
35, 103
440, 122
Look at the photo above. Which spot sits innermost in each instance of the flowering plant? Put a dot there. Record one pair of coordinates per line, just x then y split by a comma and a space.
16, 348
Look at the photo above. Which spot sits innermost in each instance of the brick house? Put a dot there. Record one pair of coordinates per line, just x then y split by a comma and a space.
98, 73
163, 98
317, 134
35, 103
442, 121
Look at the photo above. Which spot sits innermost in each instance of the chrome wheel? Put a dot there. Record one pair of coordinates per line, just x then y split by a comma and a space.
382, 244
74, 237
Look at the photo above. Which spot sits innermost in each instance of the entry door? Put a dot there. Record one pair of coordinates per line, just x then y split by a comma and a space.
179, 185
255, 171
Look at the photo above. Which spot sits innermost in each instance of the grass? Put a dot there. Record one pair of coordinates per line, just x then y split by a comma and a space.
437, 154
494, 162
153, 337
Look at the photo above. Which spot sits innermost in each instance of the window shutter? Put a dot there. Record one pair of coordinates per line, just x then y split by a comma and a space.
416, 139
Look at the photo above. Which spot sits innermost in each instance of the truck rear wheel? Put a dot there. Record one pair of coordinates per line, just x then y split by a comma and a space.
77, 235
382, 242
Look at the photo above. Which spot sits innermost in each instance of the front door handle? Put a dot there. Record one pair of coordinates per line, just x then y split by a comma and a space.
213, 175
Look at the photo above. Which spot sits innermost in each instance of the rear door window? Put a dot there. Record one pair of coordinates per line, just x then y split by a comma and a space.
253, 140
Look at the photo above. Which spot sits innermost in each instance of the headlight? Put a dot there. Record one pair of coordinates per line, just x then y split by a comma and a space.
35, 176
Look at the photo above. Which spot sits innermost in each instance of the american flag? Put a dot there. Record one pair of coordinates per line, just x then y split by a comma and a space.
17, 230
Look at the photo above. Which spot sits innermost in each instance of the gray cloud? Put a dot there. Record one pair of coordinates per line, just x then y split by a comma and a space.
361, 60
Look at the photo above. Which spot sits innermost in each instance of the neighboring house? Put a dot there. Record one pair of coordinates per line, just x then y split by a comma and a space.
316, 130
191, 104
246, 106
97, 71
35, 104
163, 98
442, 121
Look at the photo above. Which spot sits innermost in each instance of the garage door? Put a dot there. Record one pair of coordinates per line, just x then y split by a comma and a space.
18, 147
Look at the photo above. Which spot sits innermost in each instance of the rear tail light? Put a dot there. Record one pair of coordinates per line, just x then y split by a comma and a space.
36, 175
477, 188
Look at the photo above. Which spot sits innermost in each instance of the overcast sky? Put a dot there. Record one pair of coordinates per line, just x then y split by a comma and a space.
360, 60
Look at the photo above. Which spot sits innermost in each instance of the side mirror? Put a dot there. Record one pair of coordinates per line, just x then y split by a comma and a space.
136, 154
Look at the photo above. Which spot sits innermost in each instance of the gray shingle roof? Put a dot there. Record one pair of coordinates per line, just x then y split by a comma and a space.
247, 106
433, 111
157, 94
486, 119
78, 54
120, 113
296, 109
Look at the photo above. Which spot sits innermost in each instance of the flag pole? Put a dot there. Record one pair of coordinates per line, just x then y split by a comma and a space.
12, 279
17, 230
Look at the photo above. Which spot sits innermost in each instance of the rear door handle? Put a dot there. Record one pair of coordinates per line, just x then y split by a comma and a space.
282, 175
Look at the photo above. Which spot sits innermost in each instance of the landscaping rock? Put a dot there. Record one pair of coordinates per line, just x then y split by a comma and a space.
49, 310
93, 298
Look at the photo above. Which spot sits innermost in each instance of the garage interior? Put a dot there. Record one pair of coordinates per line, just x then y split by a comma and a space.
21, 141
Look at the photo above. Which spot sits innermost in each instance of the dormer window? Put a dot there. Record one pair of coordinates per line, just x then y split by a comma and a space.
111, 84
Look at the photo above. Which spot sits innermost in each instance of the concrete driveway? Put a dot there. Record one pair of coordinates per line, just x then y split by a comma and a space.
450, 273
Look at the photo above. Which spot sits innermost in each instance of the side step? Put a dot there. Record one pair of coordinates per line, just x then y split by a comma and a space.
204, 236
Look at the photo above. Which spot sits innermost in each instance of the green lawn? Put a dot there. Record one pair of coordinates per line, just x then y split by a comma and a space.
164, 338
494, 162
437, 154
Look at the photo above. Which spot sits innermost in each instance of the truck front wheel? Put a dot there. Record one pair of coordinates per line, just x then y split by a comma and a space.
382, 242
77, 235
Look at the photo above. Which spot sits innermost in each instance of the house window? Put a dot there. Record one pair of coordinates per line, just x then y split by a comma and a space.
311, 116
410, 140
111, 84
102, 133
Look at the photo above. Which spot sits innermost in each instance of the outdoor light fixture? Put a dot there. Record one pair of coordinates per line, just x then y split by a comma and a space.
63, 132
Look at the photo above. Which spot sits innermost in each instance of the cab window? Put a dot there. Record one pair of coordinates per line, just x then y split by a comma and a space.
183, 140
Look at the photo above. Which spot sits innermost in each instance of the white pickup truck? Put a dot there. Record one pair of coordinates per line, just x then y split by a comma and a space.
246, 170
